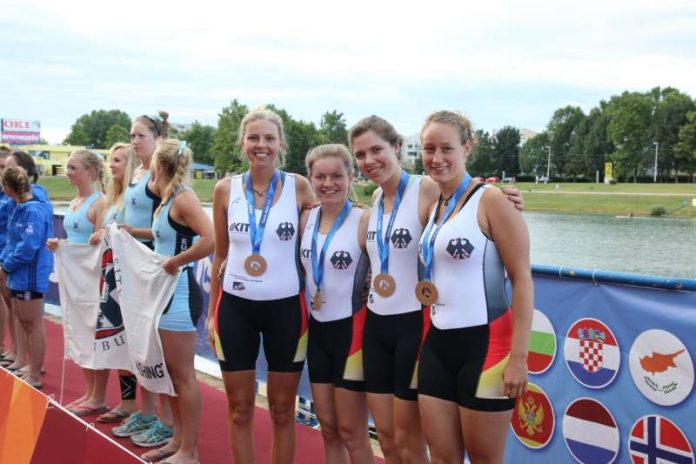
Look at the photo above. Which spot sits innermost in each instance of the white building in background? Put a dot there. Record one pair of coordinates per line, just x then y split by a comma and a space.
410, 151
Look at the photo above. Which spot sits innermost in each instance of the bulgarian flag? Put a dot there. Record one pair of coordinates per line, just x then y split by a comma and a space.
542, 344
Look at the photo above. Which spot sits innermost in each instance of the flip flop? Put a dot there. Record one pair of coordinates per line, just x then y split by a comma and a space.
157, 455
81, 411
115, 415
74, 404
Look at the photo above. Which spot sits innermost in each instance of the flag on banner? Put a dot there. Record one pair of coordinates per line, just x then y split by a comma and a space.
661, 367
542, 344
655, 439
533, 420
590, 432
592, 353
144, 290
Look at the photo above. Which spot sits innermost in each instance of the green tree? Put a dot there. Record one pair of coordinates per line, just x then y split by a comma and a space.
534, 155
116, 134
333, 128
669, 115
629, 130
590, 145
507, 149
200, 139
91, 129
225, 149
560, 129
685, 149
483, 158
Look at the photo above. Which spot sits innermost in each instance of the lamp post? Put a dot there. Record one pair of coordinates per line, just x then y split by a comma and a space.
548, 166
657, 146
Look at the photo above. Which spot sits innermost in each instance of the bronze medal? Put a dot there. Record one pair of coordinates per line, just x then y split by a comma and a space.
384, 285
316, 301
255, 265
426, 292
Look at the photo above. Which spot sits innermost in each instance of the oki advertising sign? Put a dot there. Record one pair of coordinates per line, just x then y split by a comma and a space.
20, 131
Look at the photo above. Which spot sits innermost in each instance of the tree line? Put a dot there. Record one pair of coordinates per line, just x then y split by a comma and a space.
626, 130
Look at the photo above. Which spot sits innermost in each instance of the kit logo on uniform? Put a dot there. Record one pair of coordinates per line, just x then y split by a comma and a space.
401, 237
341, 260
371, 235
661, 367
29, 229
592, 353
285, 231
236, 285
76, 225
460, 248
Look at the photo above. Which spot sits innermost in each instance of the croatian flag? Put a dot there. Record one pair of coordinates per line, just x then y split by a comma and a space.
655, 439
592, 353
590, 432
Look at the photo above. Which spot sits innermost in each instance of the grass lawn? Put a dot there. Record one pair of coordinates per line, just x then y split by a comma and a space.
618, 200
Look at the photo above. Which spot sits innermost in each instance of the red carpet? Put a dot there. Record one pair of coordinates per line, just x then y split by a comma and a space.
214, 439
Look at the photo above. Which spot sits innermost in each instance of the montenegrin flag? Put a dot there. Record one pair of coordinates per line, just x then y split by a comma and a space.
533, 419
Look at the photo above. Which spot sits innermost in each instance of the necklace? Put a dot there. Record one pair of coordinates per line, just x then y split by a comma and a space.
444, 200
262, 192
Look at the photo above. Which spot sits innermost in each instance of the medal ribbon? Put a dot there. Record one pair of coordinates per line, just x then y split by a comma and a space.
429, 238
256, 233
318, 264
383, 243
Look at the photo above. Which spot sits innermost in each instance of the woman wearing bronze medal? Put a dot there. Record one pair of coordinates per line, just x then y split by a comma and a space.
473, 240
395, 320
332, 252
256, 222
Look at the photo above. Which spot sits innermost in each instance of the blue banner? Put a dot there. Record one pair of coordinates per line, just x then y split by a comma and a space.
611, 368
619, 383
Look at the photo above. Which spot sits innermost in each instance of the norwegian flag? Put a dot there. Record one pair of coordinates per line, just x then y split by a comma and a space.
655, 439
591, 355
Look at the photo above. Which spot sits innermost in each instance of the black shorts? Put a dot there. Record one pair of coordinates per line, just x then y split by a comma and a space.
466, 365
334, 352
26, 295
241, 323
390, 349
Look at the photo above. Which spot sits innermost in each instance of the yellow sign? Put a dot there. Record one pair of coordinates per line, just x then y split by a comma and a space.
608, 170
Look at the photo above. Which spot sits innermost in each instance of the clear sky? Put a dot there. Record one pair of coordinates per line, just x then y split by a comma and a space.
500, 62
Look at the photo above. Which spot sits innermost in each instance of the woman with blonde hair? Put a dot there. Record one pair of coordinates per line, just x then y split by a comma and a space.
123, 163
85, 171
256, 220
182, 231
336, 266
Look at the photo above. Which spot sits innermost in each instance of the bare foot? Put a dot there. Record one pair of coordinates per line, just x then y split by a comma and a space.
159, 454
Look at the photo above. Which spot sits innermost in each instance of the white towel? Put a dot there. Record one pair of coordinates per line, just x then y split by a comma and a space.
144, 290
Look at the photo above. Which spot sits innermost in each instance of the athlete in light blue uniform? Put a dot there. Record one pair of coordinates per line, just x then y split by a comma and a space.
172, 238
76, 223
